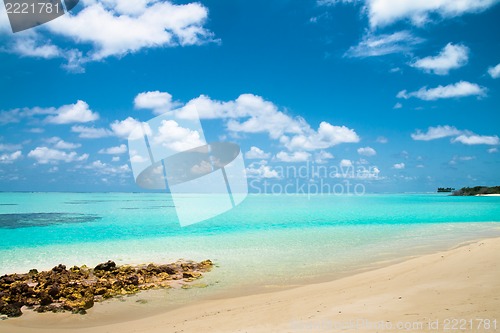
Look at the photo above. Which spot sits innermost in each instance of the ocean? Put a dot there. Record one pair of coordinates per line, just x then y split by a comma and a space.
268, 240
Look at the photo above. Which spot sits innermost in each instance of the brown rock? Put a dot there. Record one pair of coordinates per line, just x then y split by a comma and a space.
107, 266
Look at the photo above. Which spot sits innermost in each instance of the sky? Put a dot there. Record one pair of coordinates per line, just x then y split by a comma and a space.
390, 95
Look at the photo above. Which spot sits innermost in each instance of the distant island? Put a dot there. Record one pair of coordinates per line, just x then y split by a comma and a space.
445, 189
477, 190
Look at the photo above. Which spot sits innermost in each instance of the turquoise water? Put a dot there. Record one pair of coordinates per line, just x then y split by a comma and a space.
266, 240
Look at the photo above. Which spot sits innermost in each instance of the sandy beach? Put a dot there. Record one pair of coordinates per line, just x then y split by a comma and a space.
423, 294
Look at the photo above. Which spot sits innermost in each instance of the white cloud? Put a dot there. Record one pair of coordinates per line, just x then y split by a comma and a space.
459, 89
9, 147
115, 30
121, 149
106, 169
322, 156
32, 47
463, 136
367, 151
298, 156
326, 136
255, 153
494, 71
115, 159
36, 130
334, 2
73, 113
457, 159
382, 139
493, 150
399, 166
437, 132
159, 102
379, 45
10, 158
450, 57
91, 132
346, 163
474, 139
58, 143
397, 106
124, 128
252, 114
45, 155
135, 157
177, 138
385, 12
261, 171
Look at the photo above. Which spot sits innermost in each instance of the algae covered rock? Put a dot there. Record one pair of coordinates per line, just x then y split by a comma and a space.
78, 288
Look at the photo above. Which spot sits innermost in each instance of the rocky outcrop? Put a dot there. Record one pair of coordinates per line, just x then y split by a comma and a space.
76, 289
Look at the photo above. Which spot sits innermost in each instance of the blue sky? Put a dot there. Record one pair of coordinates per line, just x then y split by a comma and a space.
407, 91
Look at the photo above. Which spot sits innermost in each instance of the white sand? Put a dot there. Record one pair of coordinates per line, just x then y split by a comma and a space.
463, 283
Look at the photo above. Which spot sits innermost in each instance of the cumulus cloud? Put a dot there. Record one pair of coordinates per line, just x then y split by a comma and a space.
322, 156
33, 47
123, 128
493, 150
450, 57
252, 114
459, 89
434, 133
121, 149
399, 166
456, 159
58, 143
298, 156
494, 72
367, 151
326, 136
66, 114
385, 12
346, 163
91, 132
73, 113
10, 158
462, 136
261, 170
107, 169
115, 28
373, 45
159, 102
255, 153
175, 137
474, 139
44, 155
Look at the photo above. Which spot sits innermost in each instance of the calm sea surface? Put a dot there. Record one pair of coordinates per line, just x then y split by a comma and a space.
266, 240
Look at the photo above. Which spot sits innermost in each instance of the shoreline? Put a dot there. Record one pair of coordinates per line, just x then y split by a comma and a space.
457, 283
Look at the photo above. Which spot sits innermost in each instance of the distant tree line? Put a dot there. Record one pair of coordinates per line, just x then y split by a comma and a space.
445, 189
471, 191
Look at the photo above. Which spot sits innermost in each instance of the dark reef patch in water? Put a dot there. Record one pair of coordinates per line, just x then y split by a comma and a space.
85, 202
14, 221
